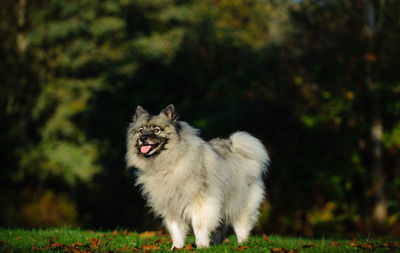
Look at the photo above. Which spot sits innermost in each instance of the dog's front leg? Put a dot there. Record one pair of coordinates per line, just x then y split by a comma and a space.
178, 231
205, 220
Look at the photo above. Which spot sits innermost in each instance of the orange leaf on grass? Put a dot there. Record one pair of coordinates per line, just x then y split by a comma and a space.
126, 232
241, 248
94, 243
265, 237
333, 243
56, 245
150, 247
77, 244
352, 244
125, 249
368, 246
281, 250
189, 247
390, 245
147, 234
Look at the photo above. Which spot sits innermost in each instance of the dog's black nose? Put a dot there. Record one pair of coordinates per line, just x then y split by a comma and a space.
143, 138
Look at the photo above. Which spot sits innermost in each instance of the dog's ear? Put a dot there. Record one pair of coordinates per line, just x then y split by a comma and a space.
169, 111
139, 112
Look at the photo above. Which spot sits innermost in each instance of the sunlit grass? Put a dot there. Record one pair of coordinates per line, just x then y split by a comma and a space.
73, 240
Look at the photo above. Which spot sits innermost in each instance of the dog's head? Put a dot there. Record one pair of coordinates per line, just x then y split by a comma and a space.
150, 134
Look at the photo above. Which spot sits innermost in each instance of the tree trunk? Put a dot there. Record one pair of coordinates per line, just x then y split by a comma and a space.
21, 26
379, 209
379, 213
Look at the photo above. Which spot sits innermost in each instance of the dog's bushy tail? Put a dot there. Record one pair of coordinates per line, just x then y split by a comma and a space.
244, 144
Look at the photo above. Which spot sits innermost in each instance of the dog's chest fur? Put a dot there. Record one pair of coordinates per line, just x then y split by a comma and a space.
171, 194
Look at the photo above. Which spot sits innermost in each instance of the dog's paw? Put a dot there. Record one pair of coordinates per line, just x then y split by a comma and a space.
175, 247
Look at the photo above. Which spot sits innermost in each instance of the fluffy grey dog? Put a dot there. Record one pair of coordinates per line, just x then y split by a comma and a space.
190, 182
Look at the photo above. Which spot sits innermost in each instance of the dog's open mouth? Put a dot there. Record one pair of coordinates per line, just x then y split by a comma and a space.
149, 149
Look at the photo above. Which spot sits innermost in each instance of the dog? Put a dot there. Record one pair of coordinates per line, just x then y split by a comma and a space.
194, 184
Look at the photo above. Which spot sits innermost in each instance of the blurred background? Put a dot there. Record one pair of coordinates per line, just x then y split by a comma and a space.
317, 81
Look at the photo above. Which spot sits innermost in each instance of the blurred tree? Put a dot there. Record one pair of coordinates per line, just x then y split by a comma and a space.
19, 86
311, 78
344, 77
70, 46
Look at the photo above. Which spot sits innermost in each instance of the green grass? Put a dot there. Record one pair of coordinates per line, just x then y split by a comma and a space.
72, 240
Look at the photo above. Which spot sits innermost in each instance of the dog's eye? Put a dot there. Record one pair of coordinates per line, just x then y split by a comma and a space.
156, 130
141, 130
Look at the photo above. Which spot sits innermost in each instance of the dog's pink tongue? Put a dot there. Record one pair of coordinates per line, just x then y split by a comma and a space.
145, 149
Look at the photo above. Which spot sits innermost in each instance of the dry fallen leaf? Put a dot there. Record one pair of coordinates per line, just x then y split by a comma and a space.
147, 234
189, 247
125, 232
333, 243
265, 237
389, 245
283, 250
56, 245
241, 248
124, 249
368, 246
74, 248
352, 244
77, 244
94, 243
150, 247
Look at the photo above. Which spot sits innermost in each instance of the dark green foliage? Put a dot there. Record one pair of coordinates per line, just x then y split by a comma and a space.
304, 76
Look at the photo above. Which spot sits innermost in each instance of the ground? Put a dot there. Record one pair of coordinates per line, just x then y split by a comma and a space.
75, 240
